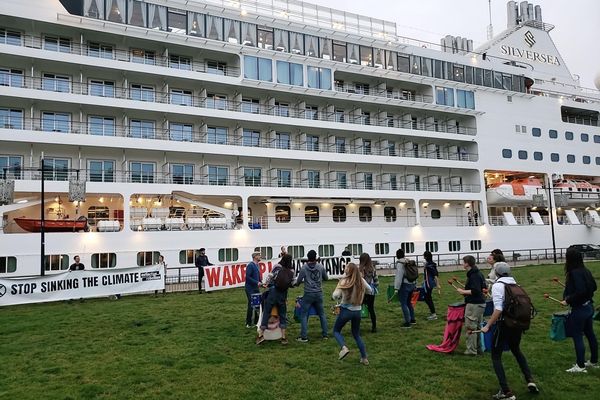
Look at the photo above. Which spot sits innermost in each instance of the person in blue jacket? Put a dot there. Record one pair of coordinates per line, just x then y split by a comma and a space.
430, 282
253, 279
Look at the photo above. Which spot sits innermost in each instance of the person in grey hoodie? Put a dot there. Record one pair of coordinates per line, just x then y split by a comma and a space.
312, 275
405, 289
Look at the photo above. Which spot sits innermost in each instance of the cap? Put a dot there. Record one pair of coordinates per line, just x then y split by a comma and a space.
312, 255
502, 269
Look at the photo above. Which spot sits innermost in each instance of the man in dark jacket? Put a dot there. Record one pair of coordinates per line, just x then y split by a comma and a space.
201, 262
475, 304
77, 265
312, 274
253, 278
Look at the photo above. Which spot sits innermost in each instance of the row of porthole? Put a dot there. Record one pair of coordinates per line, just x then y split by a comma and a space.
553, 134
554, 157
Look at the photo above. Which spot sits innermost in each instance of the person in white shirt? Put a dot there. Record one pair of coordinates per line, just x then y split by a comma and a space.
505, 335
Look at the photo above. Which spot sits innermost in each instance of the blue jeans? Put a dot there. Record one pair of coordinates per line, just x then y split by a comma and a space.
308, 300
404, 295
250, 310
275, 298
344, 316
582, 324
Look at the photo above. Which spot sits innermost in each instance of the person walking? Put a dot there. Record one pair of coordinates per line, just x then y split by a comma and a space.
201, 262
370, 275
350, 292
430, 282
474, 304
163, 266
312, 274
404, 287
580, 286
505, 335
253, 278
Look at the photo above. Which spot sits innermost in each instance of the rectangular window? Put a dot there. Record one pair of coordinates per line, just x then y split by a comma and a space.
182, 173
180, 62
141, 92
101, 171
141, 172
11, 118
382, 248
8, 265
216, 101
100, 50
56, 169
389, 213
296, 43
444, 96
252, 176
56, 83
339, 51
56, 122
10, 37
426, 67
282, 140
314, 179
311, 112
319, 78
187, 256
115, 11
311, 214
11, 77
404, 63
101, 126
266, 252
290, 73
102, 88
216, 135
250, 138
283, 214
312, 143
326, 250
340, 178
339, 214
454, 245
137, 13
284, 178
465, 99
216, 67
431, 247
282, 40
249, 34
408, 247
56, 262
218, 175
177, 21
258, 68
251, 106
147, 258
340, 144
181, 97
104, 260
180, 132
296, 251
141, 56
458, 73
475, 245
265, 37
59, 44
141, 129
214, 28
13, 165
356, 249
366, 56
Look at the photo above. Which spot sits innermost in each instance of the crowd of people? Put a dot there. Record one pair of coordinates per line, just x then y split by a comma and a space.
359, 285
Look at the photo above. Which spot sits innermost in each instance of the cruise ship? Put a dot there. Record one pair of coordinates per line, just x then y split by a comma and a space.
133, 128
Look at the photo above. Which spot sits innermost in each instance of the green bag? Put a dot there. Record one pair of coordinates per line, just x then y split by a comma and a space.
391, 292
558, 327
364, 311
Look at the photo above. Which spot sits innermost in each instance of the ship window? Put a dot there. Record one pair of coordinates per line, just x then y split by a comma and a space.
585, 137
59, 44
282, 214
426, 67
522, 154
507, 82
454, 245
353, 53
465, 99
553, 134
325, 48
403, 63
182, 173
11, 118
296, 251
56, 122
326, 250
356, 249
141, 56
188, 256
214, 27
250, 138
365, 214
56, 83
258, 68
11, 166
436, 214
104, 260
444, 96
228, 254
141, 172
475, 245
252, 176
596, 138
180, 132
311, 44
101, 126
147, 258
469, 78
196, 24
249, 33
339, 51
8, 265
518, 128
266, 252
290, 73
507, 153
538, 156
100, 50
56, 262
319, 78
180, 62
97, 213
415, 65
389, 213
382, 248
56, 169
10, 37
570, 158
281, 40
537, 132
296, 43
478, 79
458, 73
177, 21
587, 159
487, 78
340, 178
569, 135
339, 213
366, 56
141, 129
141, 92
311, 214
554, 157
11, 77
597, 160
284, 178
101, 88
523, 129
431, 247
408, 247
498, 80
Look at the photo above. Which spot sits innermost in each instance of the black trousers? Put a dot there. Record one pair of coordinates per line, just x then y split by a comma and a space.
512, 337
200, 278
429, 301
369, 301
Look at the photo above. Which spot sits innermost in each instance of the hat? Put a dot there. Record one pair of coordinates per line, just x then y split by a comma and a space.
502, 269
312, 255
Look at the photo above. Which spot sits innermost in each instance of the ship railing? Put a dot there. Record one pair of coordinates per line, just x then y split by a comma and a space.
186, 98
427, 220
498, 220
373, 92
348, 221
109, 52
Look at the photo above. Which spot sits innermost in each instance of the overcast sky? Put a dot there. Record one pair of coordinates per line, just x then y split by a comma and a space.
577, 32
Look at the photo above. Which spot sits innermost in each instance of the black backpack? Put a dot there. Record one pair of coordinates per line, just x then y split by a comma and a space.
283, 279
517, 308
411, 271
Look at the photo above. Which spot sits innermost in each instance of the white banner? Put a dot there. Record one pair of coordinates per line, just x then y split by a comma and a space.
80, 284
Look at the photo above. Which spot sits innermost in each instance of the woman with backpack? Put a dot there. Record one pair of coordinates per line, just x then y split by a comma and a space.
578, 294
350, 292
430, 282
279, 280
370, 275
405, 286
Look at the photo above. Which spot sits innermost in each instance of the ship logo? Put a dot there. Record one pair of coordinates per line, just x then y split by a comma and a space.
529, 39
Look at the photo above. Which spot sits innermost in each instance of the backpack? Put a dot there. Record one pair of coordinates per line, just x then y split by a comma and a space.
517, 308
411, 272
283, 279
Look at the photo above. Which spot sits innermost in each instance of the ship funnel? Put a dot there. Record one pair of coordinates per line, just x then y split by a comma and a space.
538, 13
523, 12
512, 11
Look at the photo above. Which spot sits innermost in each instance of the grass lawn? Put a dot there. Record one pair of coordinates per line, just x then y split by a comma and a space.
190, 346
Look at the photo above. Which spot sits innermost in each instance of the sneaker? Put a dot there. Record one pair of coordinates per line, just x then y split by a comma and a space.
532, 387
249, 326
284, 341
325, 337
407, 325
260, 339
364, 361
301, 339
504, 395
432, 317
589, 364
576, 369
413, 322
470, 353
343, 353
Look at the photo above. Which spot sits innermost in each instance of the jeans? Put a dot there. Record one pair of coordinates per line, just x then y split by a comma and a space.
429, 300
369, 301
582, 324
315, 299
275, 298
512, 336
200, 278
405, 295
344, 316
473, 319
250, 310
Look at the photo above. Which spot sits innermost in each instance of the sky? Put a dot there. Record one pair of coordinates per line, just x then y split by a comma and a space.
576, 34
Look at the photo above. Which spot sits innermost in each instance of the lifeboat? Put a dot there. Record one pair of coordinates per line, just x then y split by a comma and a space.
515, 192
577, 192
59, 225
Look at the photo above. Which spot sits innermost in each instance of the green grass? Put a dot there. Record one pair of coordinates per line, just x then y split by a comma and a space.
190, 346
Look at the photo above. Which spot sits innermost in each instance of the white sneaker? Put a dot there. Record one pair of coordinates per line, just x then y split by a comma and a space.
576, 369
432, 317
343, 353
589, 364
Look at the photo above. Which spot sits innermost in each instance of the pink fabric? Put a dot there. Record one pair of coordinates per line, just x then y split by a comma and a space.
455, 318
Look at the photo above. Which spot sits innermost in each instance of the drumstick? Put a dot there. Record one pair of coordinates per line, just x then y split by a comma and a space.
455, 279
451, 282
470, 332
555, 279
547, 296
486, 293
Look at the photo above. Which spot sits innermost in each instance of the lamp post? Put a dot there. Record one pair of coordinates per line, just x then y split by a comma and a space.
551, 218
42, 222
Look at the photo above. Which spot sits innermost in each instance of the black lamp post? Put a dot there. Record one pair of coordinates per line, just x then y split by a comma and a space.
551, 218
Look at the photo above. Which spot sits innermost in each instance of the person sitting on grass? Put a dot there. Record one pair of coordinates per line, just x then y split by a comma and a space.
350, 292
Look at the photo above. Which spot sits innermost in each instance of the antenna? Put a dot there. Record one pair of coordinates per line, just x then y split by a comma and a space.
490, 28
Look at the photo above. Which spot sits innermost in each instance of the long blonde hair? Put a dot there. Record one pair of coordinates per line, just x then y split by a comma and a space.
353, 282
